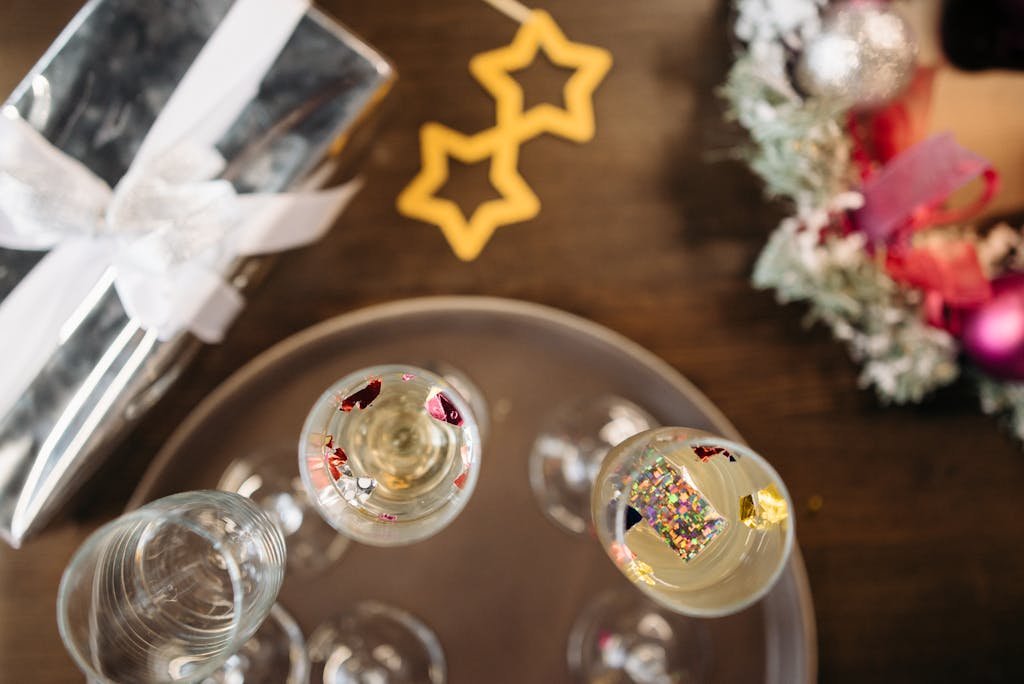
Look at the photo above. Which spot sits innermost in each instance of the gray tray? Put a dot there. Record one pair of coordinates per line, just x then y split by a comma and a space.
501, 585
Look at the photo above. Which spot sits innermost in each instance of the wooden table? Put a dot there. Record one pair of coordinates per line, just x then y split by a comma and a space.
917, 554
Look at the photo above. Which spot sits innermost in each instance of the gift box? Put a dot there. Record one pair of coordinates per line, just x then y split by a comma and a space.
227, 114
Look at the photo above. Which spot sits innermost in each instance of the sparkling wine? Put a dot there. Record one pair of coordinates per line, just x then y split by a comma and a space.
699, 523
390, 454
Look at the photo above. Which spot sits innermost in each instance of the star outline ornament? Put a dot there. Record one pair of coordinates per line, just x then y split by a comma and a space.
492, 69
467, 237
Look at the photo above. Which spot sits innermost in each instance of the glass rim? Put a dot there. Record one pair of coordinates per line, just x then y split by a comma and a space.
91, 545
788, 542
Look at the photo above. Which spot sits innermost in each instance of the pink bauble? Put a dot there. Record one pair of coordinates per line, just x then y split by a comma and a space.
993, 334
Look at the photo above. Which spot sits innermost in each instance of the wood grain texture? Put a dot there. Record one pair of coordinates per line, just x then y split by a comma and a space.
915, 558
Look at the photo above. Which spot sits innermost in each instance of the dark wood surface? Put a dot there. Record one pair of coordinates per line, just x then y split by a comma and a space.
915, 558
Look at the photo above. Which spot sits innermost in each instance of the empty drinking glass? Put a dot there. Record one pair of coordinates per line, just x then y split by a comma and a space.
168, 592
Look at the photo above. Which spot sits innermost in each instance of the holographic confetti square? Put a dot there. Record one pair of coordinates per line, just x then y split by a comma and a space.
675, 509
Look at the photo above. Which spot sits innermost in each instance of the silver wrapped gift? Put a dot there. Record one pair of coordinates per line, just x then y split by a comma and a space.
94, 95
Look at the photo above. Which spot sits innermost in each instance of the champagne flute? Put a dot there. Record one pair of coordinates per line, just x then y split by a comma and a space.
699, 523
569, 450
390, 454
269, 477
170, 591
374, 643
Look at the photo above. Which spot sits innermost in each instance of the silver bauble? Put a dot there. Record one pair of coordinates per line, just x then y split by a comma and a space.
863, 57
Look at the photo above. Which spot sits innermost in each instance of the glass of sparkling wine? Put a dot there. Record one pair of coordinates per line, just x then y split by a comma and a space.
390, 455
697, 522
171, 591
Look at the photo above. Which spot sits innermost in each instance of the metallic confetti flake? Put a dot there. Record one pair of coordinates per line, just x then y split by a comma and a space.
638, 571
705, 451
442, 408
675, 509
363, 397
460, 481
337, 460
632, 517
763, 509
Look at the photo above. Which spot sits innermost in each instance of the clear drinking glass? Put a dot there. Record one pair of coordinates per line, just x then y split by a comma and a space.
168, 592
270, 478
390, 455
374, 643
624, 638
569, 450
697, 522
275, 653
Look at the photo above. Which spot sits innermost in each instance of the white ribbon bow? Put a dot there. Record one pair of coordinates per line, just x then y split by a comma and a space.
170, 229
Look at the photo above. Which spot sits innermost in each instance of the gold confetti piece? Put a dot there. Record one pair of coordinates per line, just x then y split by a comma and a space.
638, 571
769, 508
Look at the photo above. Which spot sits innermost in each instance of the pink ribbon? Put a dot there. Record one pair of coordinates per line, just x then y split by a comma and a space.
909, 191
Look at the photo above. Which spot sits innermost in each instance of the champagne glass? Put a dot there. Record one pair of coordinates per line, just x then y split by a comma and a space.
374, 643
269, 477
699, 523
569, 451
170, 591
623, 637
275, 653
390, 454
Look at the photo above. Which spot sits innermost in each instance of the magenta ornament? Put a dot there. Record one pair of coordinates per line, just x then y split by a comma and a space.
993, 333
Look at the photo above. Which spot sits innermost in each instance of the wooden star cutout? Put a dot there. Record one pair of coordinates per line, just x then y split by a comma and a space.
576, 121
418, 199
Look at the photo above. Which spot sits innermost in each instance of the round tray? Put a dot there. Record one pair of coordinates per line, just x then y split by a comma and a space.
501, 585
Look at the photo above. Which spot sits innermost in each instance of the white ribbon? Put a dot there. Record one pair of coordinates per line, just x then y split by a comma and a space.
170, 228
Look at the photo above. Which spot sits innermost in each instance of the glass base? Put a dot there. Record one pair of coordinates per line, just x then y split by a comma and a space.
624, 638
270, 477
568, 453
373, 643
275, 653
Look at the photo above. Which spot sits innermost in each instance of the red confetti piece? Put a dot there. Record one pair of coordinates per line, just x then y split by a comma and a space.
388, 517
705, 452
362, 398
407, 376
441, 407
336, 458
460, 481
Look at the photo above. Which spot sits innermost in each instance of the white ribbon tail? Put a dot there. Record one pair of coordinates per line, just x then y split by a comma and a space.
193, 298
33, 315
225, 75
272, 223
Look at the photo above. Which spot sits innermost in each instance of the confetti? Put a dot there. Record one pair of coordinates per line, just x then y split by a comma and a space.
706, 451
387, 517
632, 517
460, 481
638, 571
336, 459
442, 408
406, 377
363, 397
763, 509
674, 508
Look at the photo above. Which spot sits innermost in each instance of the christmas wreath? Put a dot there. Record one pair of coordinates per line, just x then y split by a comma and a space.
830, 94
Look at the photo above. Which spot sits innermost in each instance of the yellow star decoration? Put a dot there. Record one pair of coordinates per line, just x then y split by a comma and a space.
576, 121
501, 143
467, 238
